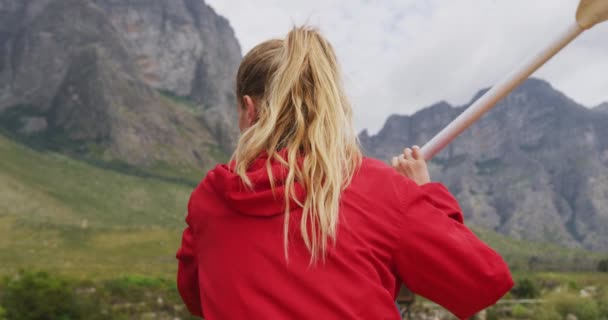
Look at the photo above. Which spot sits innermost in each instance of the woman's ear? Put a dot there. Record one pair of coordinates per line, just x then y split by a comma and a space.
250, 109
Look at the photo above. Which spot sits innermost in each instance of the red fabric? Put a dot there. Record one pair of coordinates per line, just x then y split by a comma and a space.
232, 263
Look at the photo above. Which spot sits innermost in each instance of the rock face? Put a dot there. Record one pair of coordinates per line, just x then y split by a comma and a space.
183, 47
142, 81
535, 167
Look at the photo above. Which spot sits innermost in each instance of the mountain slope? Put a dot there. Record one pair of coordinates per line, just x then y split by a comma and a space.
67, 216
64, 215
535, 167
100, 79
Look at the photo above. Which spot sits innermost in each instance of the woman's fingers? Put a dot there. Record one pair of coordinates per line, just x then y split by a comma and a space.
407, 159
407, 153
412, 164
416, 153
401, 164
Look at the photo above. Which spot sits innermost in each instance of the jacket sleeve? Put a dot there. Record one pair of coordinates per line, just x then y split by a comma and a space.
187, 274
439, 258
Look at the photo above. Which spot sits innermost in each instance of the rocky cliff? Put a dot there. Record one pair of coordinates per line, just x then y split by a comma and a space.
535, 167
142, 81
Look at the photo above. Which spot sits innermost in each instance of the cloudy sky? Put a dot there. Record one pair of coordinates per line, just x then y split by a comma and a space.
399, 56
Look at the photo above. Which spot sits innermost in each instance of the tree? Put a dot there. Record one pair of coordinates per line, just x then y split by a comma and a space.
603, 266
39, 296
526, 289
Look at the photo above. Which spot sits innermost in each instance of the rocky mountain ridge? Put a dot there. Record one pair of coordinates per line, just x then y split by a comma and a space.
534, 168
144, 81
602, 107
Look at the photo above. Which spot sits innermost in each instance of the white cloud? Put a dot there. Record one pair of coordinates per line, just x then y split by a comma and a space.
399, 56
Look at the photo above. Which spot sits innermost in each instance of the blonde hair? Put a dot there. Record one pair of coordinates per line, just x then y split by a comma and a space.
301, 108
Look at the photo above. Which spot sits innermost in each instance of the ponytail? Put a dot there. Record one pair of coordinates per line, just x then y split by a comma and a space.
303, 109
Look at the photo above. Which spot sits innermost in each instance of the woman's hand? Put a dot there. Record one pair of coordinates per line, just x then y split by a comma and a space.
412, 165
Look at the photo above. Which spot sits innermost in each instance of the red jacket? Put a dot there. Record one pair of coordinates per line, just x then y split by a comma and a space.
232, 264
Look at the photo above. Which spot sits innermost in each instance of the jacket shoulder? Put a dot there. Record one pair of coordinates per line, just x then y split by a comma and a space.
375, 167
210, 184
380, 179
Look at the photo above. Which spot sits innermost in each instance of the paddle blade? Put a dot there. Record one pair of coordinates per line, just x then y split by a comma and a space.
591, 12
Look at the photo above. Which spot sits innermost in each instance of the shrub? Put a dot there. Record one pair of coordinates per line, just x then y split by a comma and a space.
566, 302
492, 314
526, 289
546, 314
42, 296
39, 296
602, 300
602, 266
520, 311
572, 285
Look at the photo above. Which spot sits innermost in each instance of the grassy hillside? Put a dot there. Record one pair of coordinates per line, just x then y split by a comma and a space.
535, 256
76, 218
64, 215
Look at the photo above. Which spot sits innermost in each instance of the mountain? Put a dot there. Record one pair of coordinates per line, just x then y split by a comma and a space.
602, 107
148, 83
533, 168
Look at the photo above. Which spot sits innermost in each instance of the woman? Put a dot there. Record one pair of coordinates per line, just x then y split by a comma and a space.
300, 226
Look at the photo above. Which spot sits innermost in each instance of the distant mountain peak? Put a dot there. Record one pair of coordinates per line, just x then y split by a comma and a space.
533, 167
603, 107
531, 85
536, 83
441, 105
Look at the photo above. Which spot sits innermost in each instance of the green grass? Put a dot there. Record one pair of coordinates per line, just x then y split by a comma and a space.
47, 182
181, 100
537, 256
64, 215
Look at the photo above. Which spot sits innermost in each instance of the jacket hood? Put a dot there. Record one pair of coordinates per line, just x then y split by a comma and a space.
262, 200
